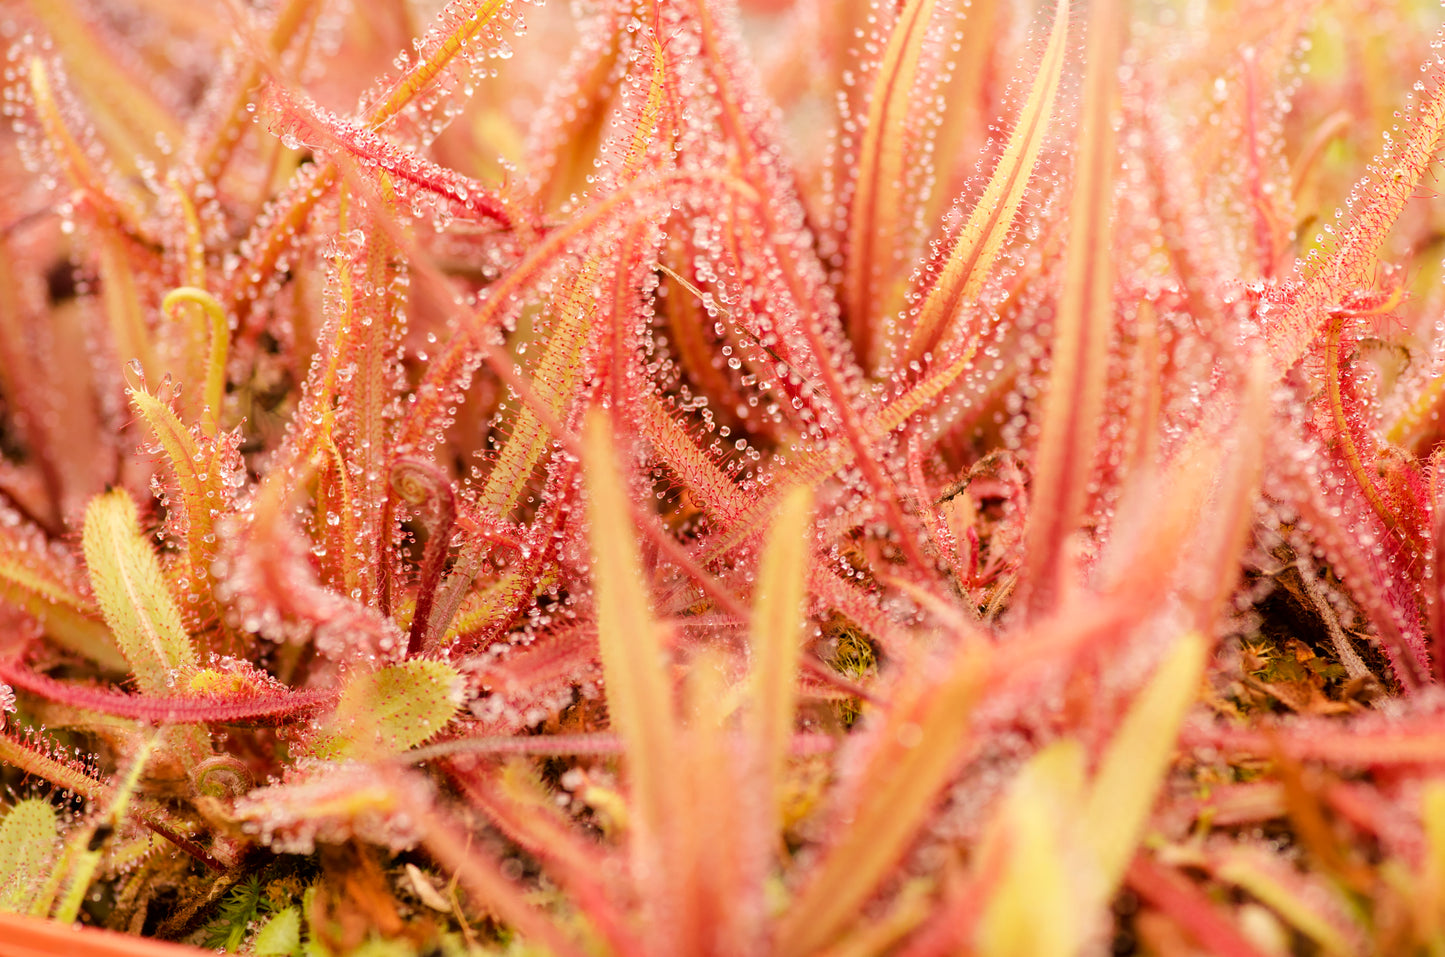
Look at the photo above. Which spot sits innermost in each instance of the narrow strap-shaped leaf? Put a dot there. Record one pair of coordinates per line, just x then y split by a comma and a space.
293, 18
718, 495
258, 707
1178, 898
1064, 457
522, 808
1133, 768
978, 243
274, 234
460, 194
83, 849
481, 873
121, 295
75, 161
198, 477
35, 578
116, 218
127, 579
1029, 845
1360, 453
744, 514
1297, 900
559, 373
877, 208
645, 197
37, 758
639, 694
458, 27
1432, 818
1348, 267
778, 616
557, 377
1367, 744
916, 746
34, 757
1216, 564
559, 153
634, 663
130, 119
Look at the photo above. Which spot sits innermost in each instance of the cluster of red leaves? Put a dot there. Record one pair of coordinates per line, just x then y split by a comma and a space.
824, 477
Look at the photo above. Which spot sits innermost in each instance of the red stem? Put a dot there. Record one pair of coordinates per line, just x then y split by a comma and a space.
255, 709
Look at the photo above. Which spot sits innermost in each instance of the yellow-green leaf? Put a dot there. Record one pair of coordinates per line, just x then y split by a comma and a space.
128, 116
1036, 907
1431, 904
390, 710
1254, 873
639, 694
634, 662
127, 579
1133, 767
280, 936
917, 746
778, 616
33, 577
29, 843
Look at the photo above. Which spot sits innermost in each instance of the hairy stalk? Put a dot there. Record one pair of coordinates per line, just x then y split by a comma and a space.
262, 708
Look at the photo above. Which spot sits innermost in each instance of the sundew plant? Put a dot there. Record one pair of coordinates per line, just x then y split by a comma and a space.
723, 477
